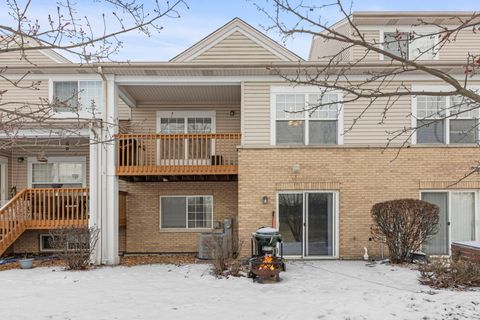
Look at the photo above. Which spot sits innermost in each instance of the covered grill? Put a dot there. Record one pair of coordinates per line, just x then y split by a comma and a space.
267, 257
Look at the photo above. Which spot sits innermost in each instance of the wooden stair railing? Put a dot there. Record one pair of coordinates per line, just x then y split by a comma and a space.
46, 208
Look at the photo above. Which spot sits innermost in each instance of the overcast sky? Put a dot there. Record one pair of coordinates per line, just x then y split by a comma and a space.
204, 16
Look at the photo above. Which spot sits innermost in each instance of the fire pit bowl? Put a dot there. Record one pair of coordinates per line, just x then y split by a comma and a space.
266, 267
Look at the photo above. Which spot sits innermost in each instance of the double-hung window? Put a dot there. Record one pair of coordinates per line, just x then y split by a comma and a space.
410, 45
77, 96
186, 212
306, 119
445, 120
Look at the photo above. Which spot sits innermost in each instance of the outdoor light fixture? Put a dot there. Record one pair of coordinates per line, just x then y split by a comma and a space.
232, 113
41, 157
20, 159
264, 199
296, 168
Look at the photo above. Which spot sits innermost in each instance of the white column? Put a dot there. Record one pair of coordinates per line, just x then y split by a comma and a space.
110, 183
103, 180
95, 219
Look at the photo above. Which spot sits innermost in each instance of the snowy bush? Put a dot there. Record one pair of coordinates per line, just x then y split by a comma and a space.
404, 225
447, 273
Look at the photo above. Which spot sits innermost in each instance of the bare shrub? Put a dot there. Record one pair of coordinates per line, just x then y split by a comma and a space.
404, 225
225, 263
74, 245
450, 273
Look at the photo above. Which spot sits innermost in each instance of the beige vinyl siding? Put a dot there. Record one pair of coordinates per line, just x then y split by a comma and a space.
144, 118
466, 42
324, 50
32, 58
359, 52
236, 48
256, 113
124, 111
17, 96
369, 129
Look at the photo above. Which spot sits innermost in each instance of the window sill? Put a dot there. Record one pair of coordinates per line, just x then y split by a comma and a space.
184, 230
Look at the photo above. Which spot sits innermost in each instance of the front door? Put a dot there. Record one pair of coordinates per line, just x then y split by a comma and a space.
307, 223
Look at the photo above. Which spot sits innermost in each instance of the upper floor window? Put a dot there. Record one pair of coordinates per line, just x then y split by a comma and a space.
77, 96
408, 45
446, 120
307, 119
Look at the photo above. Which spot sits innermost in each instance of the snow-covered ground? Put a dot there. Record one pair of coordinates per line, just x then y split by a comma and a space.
308, 290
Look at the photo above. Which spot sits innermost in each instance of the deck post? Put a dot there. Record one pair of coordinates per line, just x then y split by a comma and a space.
103, 180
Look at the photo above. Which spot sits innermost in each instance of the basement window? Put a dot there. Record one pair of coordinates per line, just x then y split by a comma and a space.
45, 243
186, 212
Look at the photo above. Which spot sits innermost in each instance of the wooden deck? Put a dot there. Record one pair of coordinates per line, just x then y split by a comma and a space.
177, 154
42, 209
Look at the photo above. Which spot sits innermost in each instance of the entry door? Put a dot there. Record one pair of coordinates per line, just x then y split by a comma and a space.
307, 223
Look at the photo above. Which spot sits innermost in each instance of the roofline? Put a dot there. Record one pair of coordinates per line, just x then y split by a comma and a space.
212, 34
413, 13
219, 66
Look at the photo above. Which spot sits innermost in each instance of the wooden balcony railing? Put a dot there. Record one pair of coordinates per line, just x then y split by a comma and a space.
42, 209
177, 154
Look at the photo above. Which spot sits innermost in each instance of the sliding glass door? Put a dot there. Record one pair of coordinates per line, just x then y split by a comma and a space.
307, 223
457, 219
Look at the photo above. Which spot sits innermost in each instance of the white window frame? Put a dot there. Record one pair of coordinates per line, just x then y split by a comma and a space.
409, 29
33, 160
186, 213
413, 122
305, 90
186, 115
449, 197
81, 113
42, 249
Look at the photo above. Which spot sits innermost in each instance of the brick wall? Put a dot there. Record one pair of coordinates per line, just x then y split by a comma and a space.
143, 214
362, 177
28, 242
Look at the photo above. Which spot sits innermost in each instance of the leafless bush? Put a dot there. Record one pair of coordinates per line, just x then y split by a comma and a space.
404, 225
450, 273
74, 245
225, 263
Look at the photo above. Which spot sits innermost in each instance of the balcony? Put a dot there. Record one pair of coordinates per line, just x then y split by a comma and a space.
177, 154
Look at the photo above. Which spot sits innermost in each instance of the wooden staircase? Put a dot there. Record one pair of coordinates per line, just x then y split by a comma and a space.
33, 209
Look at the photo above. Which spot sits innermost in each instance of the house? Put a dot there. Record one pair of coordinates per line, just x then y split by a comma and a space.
205, 136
